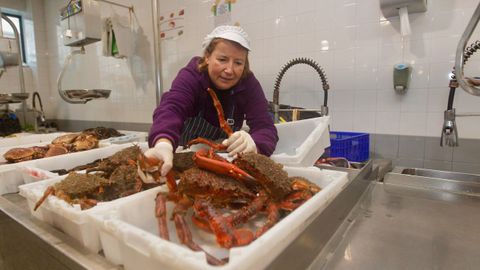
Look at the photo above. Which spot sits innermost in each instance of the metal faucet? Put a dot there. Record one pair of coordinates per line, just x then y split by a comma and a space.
460, 56
35, 96
449, 130
449, 134
276, 90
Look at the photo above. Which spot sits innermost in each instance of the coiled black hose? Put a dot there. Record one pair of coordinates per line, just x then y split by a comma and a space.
469, 51
301, 60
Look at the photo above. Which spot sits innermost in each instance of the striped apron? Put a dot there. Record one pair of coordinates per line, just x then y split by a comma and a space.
197, 126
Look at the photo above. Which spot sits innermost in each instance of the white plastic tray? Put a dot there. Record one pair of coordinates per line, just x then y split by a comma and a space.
5, 149
28, 138
302, 142
11, 175
31, 174
129, 237
70, 219
130, 136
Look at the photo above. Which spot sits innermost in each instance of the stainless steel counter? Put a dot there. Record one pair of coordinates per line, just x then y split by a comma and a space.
27, 243
407, 224
401, 223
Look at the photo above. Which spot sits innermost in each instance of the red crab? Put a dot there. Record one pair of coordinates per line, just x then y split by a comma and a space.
215, 185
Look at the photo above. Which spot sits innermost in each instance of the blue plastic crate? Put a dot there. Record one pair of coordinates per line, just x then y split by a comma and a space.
350, 145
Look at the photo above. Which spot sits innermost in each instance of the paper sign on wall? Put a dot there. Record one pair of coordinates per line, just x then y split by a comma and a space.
172, 24
222, 12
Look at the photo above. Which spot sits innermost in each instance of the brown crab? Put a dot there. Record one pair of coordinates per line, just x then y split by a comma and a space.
55, 150
75, 142
107, 165
66, 139
87, 189
102, 132
18, 154
83, 189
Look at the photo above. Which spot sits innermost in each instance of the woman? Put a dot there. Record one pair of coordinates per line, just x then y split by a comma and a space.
187, 112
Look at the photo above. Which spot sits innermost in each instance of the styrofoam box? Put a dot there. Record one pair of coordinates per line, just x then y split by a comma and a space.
302, 142
28, 138
128, 230
11, 175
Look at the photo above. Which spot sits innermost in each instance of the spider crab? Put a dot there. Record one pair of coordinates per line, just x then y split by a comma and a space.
252, 184
116, 176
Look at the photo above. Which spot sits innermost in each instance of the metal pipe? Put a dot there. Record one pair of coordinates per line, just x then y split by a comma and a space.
466, 114
157, 52
300, 110
117, 4
62, 93
21, 78
459, 59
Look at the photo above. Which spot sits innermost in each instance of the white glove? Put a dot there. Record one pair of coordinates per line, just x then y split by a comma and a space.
162, 150
240, 142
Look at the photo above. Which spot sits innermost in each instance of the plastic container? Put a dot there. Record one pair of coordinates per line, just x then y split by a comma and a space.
58, 213
32, 174
351, 145
129, 136
70, 219
302, 142
11, 175
129, 233
29, 138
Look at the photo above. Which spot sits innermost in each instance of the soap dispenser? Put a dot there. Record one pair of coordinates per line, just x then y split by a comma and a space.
401, 77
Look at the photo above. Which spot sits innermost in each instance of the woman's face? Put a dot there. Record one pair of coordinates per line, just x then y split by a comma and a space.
226, 64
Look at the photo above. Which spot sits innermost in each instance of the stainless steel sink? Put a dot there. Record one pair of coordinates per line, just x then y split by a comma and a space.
444, 181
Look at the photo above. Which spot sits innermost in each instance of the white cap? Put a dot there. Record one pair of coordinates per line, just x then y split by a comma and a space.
229, 32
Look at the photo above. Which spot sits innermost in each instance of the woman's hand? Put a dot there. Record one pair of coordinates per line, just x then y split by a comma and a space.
240, 142
163, 150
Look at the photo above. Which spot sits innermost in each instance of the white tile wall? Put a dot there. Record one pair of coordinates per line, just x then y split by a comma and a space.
350, 39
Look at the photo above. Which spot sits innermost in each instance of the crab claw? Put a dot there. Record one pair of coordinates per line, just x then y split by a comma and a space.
221, 167
149, 169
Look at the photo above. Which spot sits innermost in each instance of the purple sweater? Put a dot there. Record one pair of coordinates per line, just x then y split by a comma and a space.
188, 96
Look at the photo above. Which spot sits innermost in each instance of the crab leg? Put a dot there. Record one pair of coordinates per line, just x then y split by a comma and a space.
185, 235
221, 117
218, 224
248, 211
295, 199
214, 146
242, 236
161, 214
220, 167
227, 236
49, 191
86, 203
272, 218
